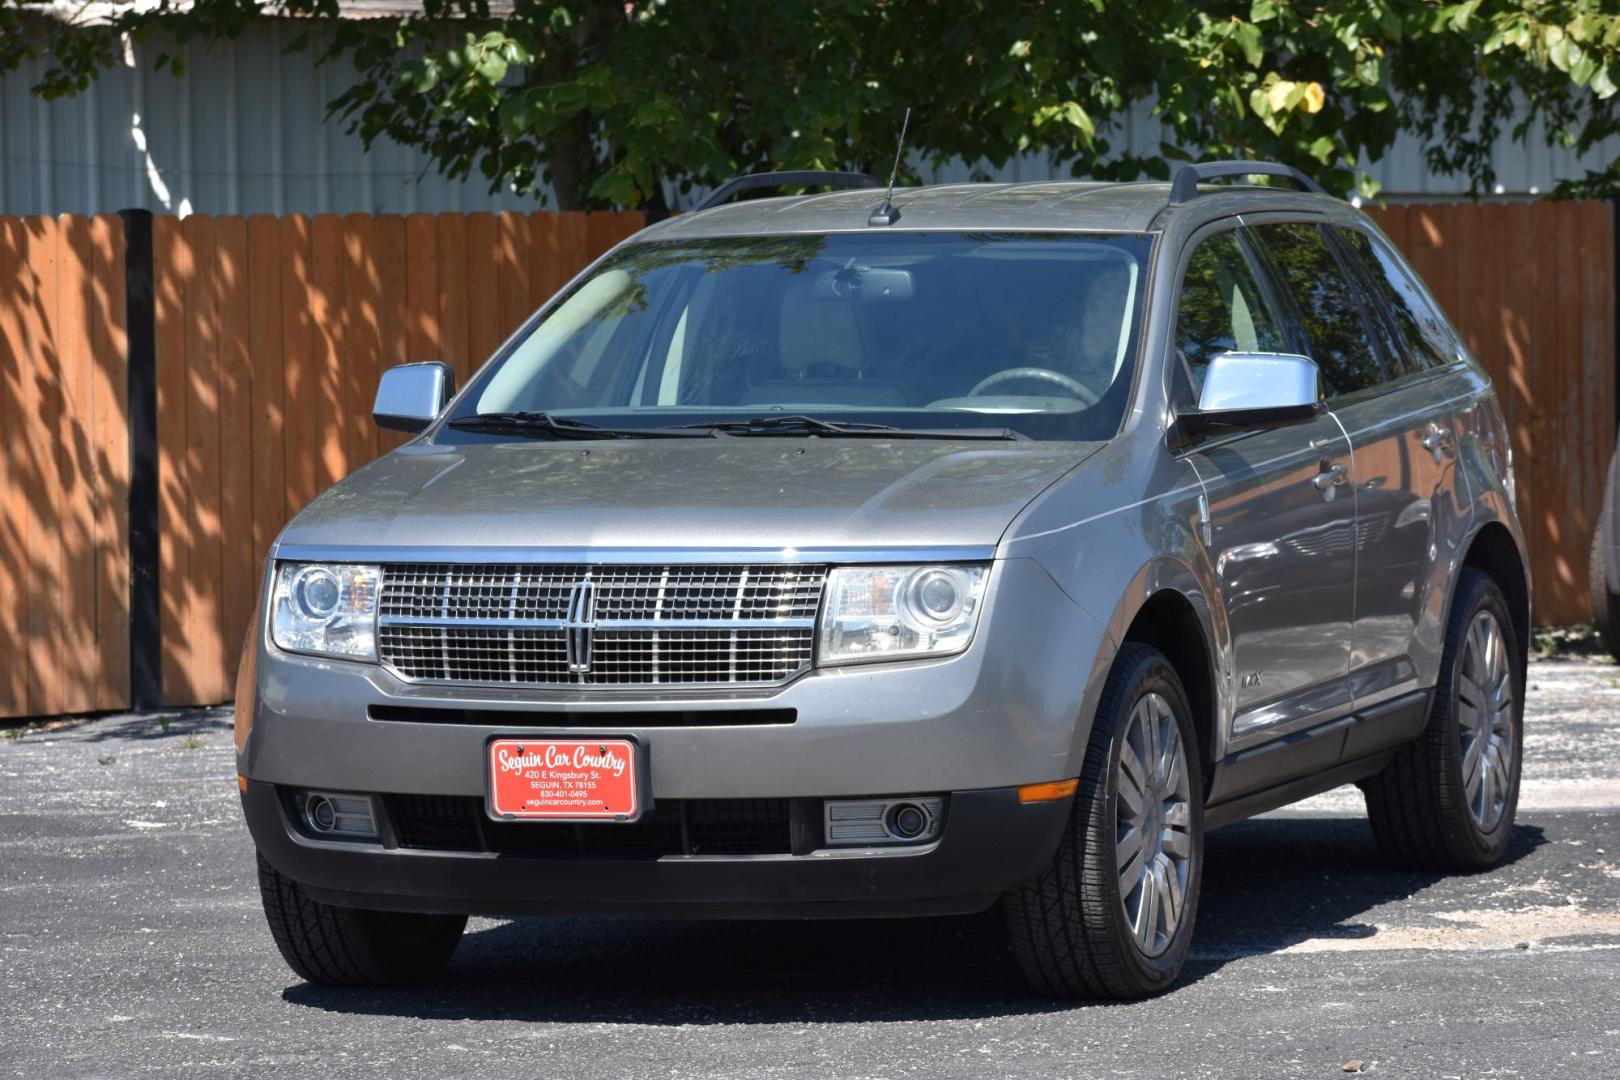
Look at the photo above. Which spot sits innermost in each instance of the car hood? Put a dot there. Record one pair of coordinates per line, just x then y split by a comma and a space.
725, 493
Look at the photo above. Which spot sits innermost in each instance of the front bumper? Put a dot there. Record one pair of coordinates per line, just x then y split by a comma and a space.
991, 841
1013, 709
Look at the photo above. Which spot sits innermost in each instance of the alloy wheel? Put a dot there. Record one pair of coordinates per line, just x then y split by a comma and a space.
1153, 845
1485, 713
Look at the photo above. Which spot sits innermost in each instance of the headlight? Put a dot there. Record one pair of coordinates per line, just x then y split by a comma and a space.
896, 612
326, 608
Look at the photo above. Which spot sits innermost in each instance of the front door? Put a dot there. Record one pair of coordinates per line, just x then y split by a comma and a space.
1280, 527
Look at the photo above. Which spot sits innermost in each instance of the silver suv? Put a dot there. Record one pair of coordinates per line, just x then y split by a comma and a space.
825, 556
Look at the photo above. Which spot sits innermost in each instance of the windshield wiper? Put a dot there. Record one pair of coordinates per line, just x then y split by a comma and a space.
809, 425
549, 425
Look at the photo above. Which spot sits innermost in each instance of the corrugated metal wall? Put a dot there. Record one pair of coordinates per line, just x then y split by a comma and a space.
1524, 170
244, 131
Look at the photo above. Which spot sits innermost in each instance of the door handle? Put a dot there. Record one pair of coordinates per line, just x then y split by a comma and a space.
1437, 441
1329, 479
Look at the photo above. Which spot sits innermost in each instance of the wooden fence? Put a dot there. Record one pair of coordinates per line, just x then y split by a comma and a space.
64, 467
1531, 287
270, 334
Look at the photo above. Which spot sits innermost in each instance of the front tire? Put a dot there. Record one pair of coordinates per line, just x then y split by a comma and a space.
1113, 916
1447, 801
339, 946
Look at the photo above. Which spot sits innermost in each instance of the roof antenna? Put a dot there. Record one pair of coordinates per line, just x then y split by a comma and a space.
887, 214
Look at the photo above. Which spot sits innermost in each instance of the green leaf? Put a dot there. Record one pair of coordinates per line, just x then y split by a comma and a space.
490, 67
424, 77
1322, 149
1073, 115
514, 116
1247, 35
1260, 102
616, 187
568, 97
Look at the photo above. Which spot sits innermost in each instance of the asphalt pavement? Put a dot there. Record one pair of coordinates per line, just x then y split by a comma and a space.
132, 944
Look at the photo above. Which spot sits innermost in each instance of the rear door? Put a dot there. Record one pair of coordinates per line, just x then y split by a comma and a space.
1279, 527
1387, 408
1407, 552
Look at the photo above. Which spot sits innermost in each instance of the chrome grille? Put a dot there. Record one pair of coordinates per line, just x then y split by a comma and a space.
599, 625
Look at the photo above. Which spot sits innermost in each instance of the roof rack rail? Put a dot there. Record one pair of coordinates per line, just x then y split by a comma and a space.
1185, 185
817, 177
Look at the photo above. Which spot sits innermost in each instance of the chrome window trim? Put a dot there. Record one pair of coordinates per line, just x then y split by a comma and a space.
1398, 384
375, 554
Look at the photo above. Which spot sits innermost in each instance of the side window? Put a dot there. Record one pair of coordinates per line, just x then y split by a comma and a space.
1327, 303
1222, 308
1424, 340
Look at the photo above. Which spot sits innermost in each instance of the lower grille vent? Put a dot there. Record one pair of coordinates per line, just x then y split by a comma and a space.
674, 827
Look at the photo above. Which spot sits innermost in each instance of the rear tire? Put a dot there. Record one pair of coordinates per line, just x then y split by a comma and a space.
339, 946
1074, 930
1605, 603
1447, 801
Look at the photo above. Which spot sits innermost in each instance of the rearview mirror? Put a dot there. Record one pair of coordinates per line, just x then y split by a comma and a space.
411, 396
868, 283
1253, 389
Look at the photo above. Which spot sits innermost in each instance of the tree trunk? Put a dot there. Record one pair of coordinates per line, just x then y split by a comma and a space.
656, 206
571, 151
572, 160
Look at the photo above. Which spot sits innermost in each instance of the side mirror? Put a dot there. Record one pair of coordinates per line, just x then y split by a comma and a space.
411, 396
1251, 390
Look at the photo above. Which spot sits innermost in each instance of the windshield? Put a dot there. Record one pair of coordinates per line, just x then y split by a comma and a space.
1030, 334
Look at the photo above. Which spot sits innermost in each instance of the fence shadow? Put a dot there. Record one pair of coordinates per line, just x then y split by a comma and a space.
157, 726
1269, 884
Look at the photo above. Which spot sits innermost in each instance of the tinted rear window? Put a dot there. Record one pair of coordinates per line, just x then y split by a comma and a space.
1421, 335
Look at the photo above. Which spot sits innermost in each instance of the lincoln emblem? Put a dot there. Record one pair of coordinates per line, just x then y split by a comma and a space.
580, 625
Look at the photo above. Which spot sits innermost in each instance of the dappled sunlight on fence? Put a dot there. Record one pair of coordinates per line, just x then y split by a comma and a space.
271, 336
1531, 286
64, 467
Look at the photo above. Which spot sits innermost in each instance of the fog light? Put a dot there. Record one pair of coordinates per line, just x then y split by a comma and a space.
908, 820
873, 822
331, 814
322, 814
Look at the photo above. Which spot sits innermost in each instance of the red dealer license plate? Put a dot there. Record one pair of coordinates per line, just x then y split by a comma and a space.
564, 779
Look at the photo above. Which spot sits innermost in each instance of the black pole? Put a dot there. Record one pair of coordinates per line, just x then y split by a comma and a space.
1614, 282
145, 647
